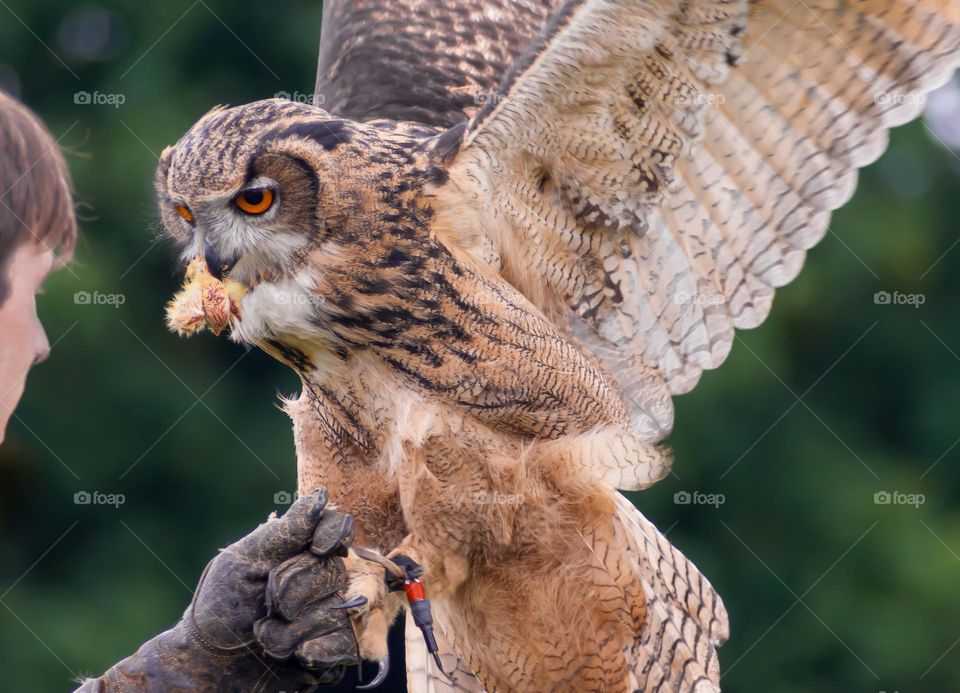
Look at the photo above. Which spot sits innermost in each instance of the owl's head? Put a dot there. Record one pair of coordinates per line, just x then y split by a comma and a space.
249, 187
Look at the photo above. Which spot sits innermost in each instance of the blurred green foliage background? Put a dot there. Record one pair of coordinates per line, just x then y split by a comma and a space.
835, 399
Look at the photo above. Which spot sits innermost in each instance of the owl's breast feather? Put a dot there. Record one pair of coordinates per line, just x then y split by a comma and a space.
288, 310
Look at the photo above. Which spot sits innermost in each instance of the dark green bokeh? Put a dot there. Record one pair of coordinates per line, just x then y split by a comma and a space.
827, 590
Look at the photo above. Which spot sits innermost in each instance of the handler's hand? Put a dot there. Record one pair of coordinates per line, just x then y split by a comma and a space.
299, 644
300, 549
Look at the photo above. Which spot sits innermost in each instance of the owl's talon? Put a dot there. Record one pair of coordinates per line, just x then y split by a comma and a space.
354, 603
383, 668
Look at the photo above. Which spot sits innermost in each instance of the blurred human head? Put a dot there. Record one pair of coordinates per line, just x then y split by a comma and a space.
38, 232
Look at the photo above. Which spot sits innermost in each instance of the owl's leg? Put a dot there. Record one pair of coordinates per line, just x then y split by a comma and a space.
371, 619
376, 605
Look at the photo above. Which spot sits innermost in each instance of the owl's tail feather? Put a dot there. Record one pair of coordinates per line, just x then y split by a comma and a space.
686, 620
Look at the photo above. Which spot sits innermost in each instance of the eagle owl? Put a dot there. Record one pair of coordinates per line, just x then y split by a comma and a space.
511, 234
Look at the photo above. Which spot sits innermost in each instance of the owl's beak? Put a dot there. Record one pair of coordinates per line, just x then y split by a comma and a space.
219, 266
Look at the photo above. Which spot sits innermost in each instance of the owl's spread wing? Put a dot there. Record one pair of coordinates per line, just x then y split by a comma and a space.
656, 168
427, 61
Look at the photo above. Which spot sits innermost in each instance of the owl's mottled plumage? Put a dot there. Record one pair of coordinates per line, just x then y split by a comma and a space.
517, 231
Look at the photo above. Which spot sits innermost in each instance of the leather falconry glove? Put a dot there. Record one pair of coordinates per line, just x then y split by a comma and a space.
239, 633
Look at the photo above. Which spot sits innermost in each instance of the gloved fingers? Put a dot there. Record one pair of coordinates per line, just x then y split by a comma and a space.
334, 534
279, 638
302, 581
278, 538
327, 677
226, 602
334, 649
289, 676
292, 677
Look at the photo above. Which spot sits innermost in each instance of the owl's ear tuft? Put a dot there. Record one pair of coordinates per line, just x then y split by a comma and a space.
163, 167
217, 109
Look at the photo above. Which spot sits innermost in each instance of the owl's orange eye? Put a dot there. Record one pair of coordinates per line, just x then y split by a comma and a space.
185, 213
255, 200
